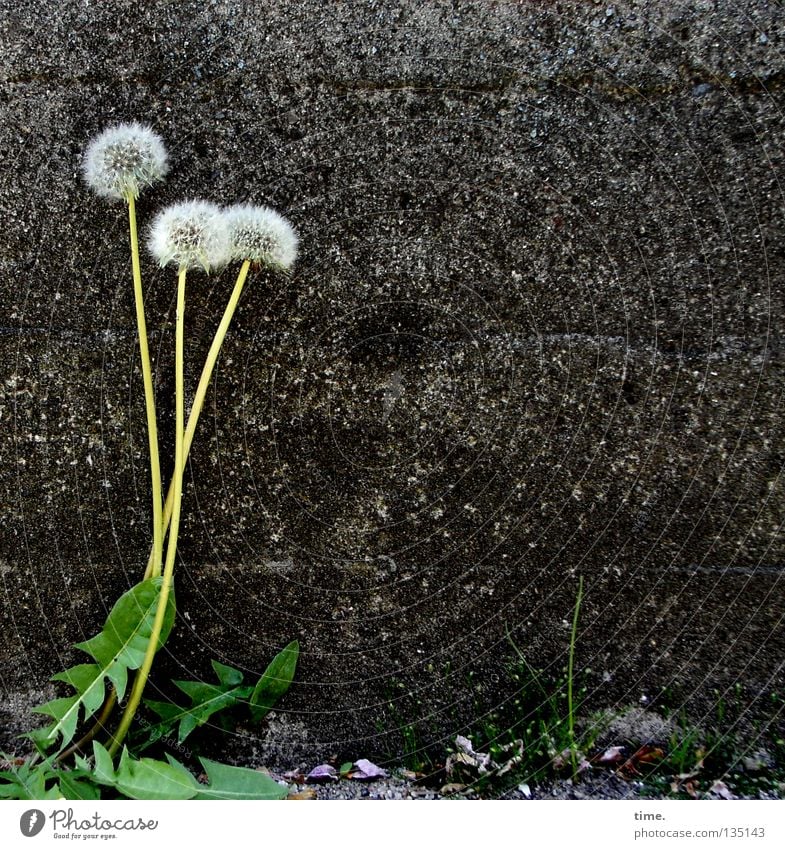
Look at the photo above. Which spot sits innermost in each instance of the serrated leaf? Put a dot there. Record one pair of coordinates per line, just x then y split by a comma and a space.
122, 643
206, 700
104, 769
235, 782
275, 681
227, 675
12, 787
152, 779
177, 765
82, 763
74, 787
66, 713
81, 678
144, 778
27, 782
169, 714
40, 738
9, 788
120, 646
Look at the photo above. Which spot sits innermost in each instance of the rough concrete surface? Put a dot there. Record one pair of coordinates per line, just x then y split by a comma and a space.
535, 332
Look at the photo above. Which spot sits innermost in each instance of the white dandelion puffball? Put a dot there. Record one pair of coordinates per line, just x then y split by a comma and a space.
123, 160
190, 235
260, 234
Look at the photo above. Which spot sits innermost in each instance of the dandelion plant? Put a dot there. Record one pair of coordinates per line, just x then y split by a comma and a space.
196, 235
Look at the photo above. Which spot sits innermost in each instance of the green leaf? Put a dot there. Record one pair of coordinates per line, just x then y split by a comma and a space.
147, 778
104, 770
145, 734
275, 681
177, 765
82, 763
66, 713
206, 700
28, 782
74, 787
44, 780
235, 782
14, 787
120, 646
82, 679
143, 779
151, 779
122, 643
227, 675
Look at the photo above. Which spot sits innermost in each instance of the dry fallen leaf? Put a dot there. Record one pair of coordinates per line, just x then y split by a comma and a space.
322, 773
611, 756
721, 789
449, 789
646, 755
366, 771
308, 793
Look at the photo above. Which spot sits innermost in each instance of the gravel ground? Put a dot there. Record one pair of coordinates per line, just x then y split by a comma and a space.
603, 785
444, 784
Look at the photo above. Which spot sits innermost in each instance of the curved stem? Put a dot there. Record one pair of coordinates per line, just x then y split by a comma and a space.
201, 392
149, 396
171, 551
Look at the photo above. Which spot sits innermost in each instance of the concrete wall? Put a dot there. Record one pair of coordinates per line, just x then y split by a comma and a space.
534, 333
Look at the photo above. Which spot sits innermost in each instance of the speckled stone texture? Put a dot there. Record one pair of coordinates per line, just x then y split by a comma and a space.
535, 332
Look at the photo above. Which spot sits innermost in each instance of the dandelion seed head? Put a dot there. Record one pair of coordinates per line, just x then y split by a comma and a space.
123, 160
260, 234
190, 235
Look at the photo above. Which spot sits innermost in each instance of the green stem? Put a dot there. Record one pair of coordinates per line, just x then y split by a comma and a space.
171, 551
201, 392
149, 396
570, 707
